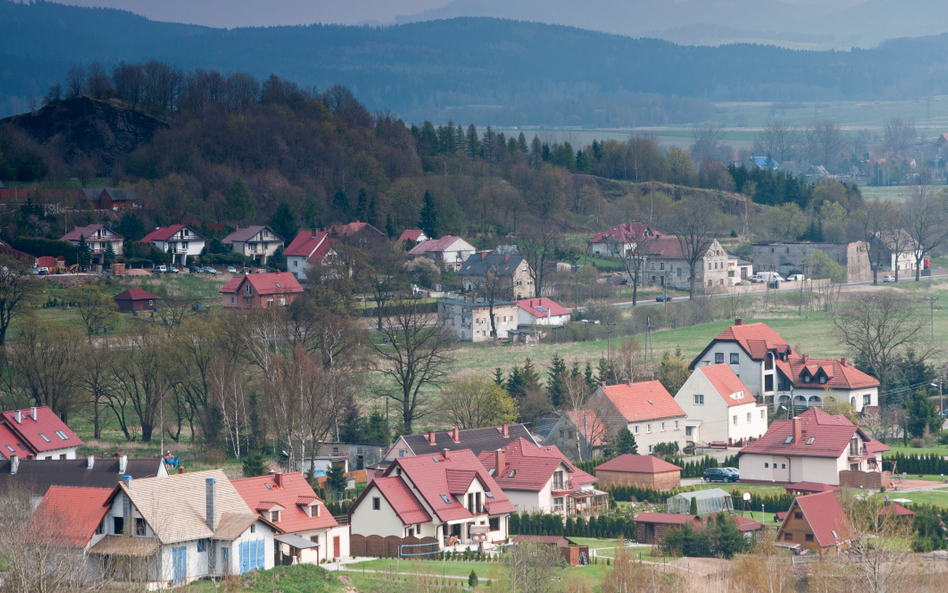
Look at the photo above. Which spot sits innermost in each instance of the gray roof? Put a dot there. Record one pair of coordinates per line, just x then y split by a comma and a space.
39, 475
245, 234
502, 264
475, 439
546, 423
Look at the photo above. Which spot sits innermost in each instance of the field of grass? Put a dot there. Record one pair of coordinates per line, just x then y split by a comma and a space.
937, 497
897, 448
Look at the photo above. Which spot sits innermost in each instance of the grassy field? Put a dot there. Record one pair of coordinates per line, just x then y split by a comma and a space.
937, 450
937, 497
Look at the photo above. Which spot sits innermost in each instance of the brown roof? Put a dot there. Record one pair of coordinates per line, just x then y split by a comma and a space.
117, 545
826, 518
477, 440
231, 526
245, 234
641, 464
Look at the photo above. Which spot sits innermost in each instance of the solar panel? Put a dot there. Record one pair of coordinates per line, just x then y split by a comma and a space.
540, 309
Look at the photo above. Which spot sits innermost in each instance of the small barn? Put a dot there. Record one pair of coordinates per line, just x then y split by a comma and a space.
135, 299
640, 470
574, 554
651, 528
710, 501
815, 522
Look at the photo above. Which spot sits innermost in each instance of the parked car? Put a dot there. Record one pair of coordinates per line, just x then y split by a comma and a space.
232, 269
888, 278
171, 270
42, 271
733, 471
195, 270
663, 298
718, 474
209, 270
796, 278
159, 269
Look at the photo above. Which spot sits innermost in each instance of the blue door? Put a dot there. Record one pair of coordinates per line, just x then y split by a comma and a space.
179, 561
252, 556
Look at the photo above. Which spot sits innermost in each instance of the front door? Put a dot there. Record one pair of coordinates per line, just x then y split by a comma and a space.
225, 560
336, 547
179, 561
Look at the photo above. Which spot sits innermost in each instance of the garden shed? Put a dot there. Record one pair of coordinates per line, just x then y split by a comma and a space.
710, 501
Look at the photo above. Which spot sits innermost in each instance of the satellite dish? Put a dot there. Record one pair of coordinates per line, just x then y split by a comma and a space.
746, 497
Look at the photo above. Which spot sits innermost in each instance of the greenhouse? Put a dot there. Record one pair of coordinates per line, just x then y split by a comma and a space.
710, 501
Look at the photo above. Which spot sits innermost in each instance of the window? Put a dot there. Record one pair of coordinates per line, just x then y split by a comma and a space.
376, 503
12, 450
202, 545
807, 378
62, 435
275, 516
100, 529
411, 532
822, 379
766, 465
296, 263
650, 448
769, 383
661, 266
139, 526
558, 504
45, 438
735, 420
808, 537
648, 428
636, 431
798, 515
663, 427
118, 525
748, 417
699, 399
783, 466
494, 524
718, 357
253, 529
867, 399
768, 363
762, 416
679, 272
735, 358
788, 537
788, 440
247, 288
314, 539
688, 431
152, 303
445, 498
513, 473
676, 425
810, 440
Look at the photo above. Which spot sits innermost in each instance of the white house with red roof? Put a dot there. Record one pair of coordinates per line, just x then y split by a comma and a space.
260, 290
310, 533
416, 235
309, 248
621, 239
720, 408
542, 480
97, 237
71, 517
36, 433
449, 252
542, 311
178, 240
448, 496
812, 447
257, 242
645, 409
811, 381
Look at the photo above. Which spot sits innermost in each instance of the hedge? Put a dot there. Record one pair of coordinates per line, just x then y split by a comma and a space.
604, 526
914, 463
773, 502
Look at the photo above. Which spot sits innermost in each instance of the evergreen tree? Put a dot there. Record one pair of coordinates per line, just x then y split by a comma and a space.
583, 164
473, 145
238, 203
362, 205
109, 252
131, 227
922, 414
729, 538
472, 580
284, 222
522, 143
340, 203
336, 479
693, 507
451, 220
253, 464
390, 227
591, 381
459, 139
555, 383
83, 253
626, 444
428, 219
499, 376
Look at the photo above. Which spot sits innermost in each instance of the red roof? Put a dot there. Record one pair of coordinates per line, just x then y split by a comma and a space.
162, 233
313, 245
825, 516
86, 231
646, 400
73, 512
666, 518
839, 374
439, 245
529, 467
744, 524
548, 306
265, 284
640, 464
727, 384
401, 498
757, 339
810, 487
348, 230
830, 437
289, 491
413, 234
134, 294
41, 434
11, 444
627, 232
896, 509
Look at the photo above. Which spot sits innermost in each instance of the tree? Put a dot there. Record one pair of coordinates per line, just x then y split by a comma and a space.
284, 222
626, 444
899, 134
693, 507
131, 227
628, 575
880, 328
17, 289
83, 253
922, 414
472, 580
96, 308
476, 402
539, 244
497, 287
428, 219
413, 357
825, 142
874, 224
925, 216
694, 222
336, 480
785, 222
707, 143
633, 256
75, 82
46, 364
681, 169
778, 140
529, 567
109, 253
253, 465
239, 203
673, 371
821, 267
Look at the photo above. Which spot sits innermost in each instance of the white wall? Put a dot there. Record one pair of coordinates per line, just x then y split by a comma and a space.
855, 396
750, 372
824, 470
526, 318
384, 522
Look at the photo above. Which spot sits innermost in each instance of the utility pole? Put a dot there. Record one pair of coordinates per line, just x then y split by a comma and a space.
933, 299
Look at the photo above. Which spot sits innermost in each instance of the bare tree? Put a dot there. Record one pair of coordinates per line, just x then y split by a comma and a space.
707, 143
46, 363
779, 140
529, 567
140, 381
925, 216
96, 379
875, 224
540, 244
694, 223
825, 142
96, 308
413, 357
899, 134
75, 82
632, 255
229, 395
17, 289
497, 287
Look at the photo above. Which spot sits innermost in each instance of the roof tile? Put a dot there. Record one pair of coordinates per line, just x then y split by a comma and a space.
41, 434
642, 464
529, 467
290, 491
646, 400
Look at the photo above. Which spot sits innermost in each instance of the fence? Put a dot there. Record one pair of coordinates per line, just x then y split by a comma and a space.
376, 546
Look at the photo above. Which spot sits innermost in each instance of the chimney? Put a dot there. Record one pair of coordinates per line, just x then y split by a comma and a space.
505, 430
842, 361
33, 413
18, 416
127, 480
211, 507
14, 464
90, 461
738, 322
278, 478
483, 255
123, 463
180, 469
806, 358
797, 430
431, 438
456, 435
506, 257
446, 453
500, 462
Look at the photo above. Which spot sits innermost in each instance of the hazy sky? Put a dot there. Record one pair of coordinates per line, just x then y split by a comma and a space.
261, 13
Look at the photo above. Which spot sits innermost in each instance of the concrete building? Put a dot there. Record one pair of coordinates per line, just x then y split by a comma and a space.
511, 275
469, 319
665, 265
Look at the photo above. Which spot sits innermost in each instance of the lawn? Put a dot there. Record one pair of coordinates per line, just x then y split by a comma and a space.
937, 497
937, 450
449, 568
301, 578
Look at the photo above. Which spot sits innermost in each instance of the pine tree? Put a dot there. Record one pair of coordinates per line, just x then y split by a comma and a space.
284, 222
451, 220
583, 165
362, 207
627, 444
109, 252
239, 204
253, 465
340, 203
473, 145
522, 143
498, 376
555, 384
390, 227
693, 508
336, 480
428, 219
83, 253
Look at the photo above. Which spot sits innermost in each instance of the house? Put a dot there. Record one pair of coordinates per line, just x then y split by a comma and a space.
180, 241
135, 299
172, 530
763, 162
811, 382
255, 242
738, 268
542, 311
415, 235
900, 513
449, 252
640, 470
357, 234
260, 290
309, 248
477, 440
98, 237
36, 433
645, 409
469, 318
110, 198
665, 265
542, 480
573, 554
789, 257
70, 518
357, 455
714, 398
815, 522
510, 275
621, 240
579, 435
38, 476
444, 499
814, 447
651, 528
310, 533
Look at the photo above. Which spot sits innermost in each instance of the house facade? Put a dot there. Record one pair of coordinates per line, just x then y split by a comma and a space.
621, 240
812, 447
542, 311
665, 265
449, 252
542, 480
511, 272
36, 433
645, 409
785, 258
260, 290
308, 249
98, 237
135, 299
469, 318
256, 242
804, 382
728, 413
182, 242
815, 522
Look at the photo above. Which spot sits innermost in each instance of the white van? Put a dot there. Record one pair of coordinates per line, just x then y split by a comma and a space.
795, 278
769, 277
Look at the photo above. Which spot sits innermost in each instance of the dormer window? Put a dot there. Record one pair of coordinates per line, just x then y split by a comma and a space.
807, 378
445, 498
822, 379
275, 516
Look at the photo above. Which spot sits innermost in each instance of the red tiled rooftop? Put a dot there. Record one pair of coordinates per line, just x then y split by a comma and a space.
289, 491
529, 467
896, 509
839, 373
264, 284
134, 294
73, 513
645, 400
402, 500
825, 515
627, 232
757, 339
162, 234
11, 444
727, 384
413, 234
642, 464
831, 436
46, 425
549, 306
